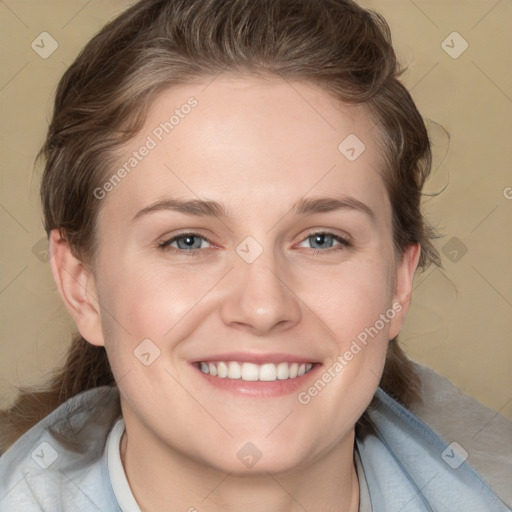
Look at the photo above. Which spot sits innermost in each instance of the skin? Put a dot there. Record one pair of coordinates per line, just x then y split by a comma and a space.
257, 146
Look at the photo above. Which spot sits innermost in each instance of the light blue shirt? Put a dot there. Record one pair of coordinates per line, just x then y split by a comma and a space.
402, 464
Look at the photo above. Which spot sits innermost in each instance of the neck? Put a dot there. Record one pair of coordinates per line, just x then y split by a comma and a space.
165, 479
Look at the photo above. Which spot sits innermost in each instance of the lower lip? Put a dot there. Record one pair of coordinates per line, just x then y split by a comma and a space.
260, 388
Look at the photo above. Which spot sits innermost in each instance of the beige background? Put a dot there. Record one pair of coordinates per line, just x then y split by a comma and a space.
461, 320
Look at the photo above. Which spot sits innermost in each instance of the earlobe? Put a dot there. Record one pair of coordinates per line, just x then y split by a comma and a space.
77, 288
403, 287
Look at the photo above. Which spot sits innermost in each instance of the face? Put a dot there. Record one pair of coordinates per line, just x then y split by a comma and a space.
244, 240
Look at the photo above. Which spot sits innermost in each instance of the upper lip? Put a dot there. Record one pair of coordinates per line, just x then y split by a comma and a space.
256, 358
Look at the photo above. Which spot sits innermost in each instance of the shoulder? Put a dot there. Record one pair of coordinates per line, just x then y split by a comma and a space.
448, 449
59, 460
484, 434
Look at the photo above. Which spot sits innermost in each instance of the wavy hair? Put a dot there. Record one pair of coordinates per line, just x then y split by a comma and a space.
104, 96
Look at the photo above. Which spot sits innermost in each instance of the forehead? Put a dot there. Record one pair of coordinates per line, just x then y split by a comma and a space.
250, 143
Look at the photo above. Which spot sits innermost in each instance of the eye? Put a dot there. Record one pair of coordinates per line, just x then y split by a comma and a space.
191, 244
324, 242
186, 243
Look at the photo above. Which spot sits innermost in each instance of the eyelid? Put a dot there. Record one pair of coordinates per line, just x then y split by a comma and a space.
345, 236
165, 245
344, 241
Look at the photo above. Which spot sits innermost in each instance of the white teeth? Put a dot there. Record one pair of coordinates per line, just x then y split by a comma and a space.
222, 370
268, 372
251, 372
234, 370
282, 371
213, 369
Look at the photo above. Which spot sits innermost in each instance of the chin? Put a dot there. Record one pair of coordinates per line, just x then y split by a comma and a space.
254, 458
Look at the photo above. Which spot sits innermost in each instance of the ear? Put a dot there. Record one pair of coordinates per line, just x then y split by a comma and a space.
77, 289
403, 287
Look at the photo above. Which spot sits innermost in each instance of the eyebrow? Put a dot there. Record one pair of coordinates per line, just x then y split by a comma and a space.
304, 206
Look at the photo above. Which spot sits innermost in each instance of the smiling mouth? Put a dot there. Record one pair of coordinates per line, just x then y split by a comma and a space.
251, 372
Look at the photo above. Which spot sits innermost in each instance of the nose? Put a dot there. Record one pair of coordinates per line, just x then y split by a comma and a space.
259, 297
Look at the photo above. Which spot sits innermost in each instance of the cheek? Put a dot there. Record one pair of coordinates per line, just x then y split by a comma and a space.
350, 298
350, 303
149, 300
355, 304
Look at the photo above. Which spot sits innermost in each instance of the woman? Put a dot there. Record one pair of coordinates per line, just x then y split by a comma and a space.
232, 199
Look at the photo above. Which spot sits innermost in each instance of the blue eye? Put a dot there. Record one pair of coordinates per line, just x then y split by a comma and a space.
325, 242
186, 243
191, 244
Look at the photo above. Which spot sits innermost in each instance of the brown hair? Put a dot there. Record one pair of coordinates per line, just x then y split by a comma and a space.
103, 97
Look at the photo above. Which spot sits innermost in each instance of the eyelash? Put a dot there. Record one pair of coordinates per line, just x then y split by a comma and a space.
165, 245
